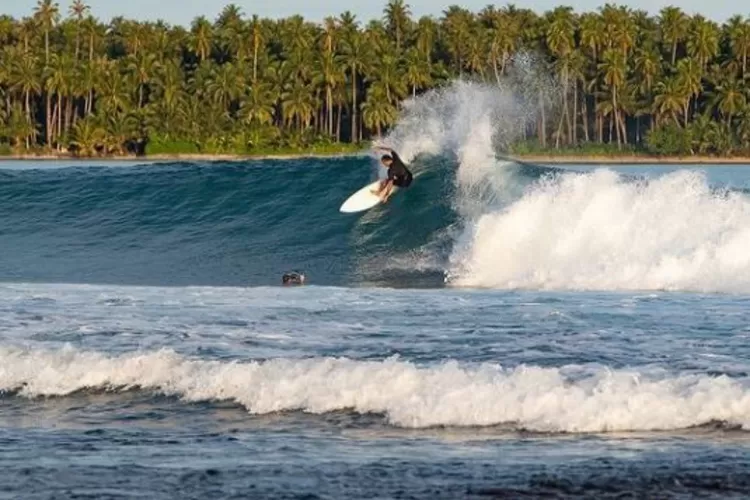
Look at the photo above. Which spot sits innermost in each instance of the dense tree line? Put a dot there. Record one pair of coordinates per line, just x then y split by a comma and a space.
671, 83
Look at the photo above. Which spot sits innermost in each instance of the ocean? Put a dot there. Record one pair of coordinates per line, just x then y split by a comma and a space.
498, 330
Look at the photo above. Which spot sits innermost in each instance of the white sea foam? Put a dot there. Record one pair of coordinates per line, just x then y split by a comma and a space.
571, 398
599, 231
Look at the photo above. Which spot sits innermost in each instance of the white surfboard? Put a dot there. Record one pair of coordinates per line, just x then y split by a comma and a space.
363, 199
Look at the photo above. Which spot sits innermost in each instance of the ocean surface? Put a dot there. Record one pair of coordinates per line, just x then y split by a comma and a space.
498, 330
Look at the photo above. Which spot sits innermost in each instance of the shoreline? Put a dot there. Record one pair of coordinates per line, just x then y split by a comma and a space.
633, 160
530, 158
179, 156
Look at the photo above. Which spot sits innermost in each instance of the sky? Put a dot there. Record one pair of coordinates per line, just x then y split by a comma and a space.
184, 11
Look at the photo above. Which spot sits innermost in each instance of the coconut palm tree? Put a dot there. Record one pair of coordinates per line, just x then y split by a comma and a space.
78, 11
674, 25
355, 55
398, 19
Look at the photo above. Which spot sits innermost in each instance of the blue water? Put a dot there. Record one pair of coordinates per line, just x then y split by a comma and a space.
490, 335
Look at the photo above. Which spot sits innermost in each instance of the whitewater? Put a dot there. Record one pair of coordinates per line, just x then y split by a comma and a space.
499, 329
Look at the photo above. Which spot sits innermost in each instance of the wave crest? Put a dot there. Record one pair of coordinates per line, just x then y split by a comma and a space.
567, 399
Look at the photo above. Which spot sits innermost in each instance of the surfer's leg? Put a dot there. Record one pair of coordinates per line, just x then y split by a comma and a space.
388, 190
380, 187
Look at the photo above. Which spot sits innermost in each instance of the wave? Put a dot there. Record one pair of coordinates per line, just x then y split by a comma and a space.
566, 399
220, 223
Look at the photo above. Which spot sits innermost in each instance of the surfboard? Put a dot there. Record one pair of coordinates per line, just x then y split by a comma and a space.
363, 199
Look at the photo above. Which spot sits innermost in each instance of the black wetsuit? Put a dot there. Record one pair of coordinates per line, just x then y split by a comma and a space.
398, 172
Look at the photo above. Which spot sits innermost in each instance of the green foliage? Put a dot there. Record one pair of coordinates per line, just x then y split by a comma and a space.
159, 146
670, 140
239, 84
5, 149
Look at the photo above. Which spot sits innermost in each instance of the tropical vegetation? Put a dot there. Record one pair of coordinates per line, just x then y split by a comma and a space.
669, 84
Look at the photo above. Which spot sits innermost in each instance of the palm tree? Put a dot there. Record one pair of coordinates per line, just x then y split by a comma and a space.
458, 23
690, 77
78, 10
703, 41
26, 78
57, 81
258, 105
88, 136
674, 26
614, 70
729, 97
297, 105
169, 82
47, 14
201, 38
669, 98
418, 71
258, 39
560, 33
226, 86
354, 56
386, 74
142, 68
378, 111
739, 35
21, 128
397, 17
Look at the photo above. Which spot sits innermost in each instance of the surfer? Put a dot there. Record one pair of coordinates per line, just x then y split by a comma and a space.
398, 174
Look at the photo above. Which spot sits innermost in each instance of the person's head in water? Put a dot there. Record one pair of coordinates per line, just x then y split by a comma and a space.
386, 160
293, 278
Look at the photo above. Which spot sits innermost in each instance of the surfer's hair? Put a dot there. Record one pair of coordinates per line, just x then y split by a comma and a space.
386, 158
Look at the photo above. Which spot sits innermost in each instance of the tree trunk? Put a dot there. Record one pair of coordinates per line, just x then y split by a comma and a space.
54, 120
638, 129
543, 125
558, 133
617, 117
574, 132
355, 136
255, 62
585, 113
59, 117
338, 124
48, 119
329, 98
68, 113
566, 95
685, 111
